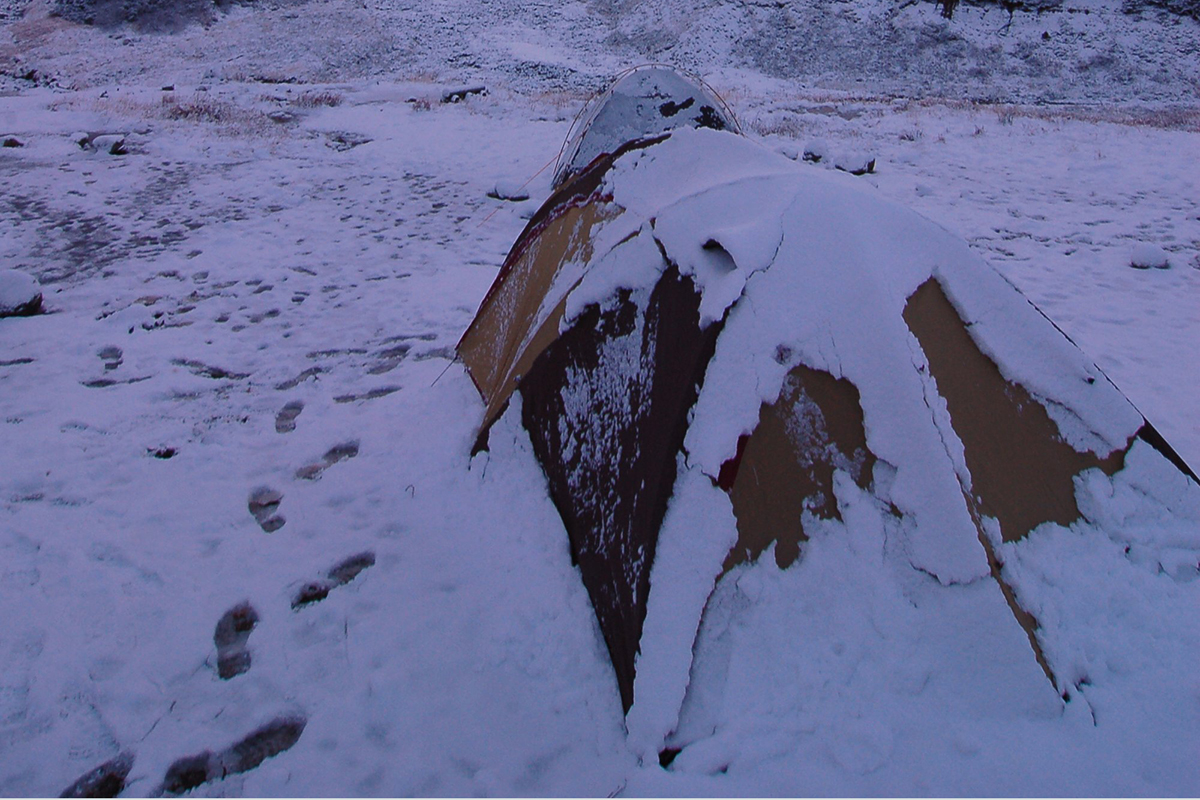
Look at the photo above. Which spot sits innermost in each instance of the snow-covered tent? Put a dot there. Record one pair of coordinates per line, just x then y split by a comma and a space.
719, 354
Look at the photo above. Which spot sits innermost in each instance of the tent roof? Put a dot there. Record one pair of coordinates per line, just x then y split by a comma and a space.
644, 102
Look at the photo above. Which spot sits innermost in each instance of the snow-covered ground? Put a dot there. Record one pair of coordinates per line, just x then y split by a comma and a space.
264, 291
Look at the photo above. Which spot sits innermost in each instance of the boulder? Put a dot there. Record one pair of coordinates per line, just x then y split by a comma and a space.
20, 294
1146, 255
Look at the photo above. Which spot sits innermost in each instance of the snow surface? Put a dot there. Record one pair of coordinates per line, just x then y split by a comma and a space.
325, 242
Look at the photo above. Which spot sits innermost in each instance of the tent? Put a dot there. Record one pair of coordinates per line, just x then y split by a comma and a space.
717, 351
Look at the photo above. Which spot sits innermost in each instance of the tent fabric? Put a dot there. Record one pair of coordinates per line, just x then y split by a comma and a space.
608, 435
786, 467
644, 102
694, 305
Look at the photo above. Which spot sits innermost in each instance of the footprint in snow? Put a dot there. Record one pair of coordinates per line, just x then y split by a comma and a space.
264, 502
106, 780
339, 575
339, 452
231, 638
311, 372
200, 369
373, 394
285, 420
111, 356
270, 740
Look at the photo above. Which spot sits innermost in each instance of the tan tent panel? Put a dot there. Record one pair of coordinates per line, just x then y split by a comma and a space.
508, 332
785, 468
1022, 472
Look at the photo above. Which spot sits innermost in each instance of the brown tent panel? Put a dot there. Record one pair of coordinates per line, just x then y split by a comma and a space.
608, 436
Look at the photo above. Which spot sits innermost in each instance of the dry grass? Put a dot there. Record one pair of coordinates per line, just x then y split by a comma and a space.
201, 108
1170, 119
779, 125
197, 108
560, 101
324, 98
1176, 119
239, 75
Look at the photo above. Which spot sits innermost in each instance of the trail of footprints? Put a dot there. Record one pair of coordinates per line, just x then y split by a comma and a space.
231, 637
232, 640
264, 501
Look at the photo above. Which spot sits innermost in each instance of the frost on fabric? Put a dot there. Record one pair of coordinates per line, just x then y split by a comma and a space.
606, 408
634, 263
598, 404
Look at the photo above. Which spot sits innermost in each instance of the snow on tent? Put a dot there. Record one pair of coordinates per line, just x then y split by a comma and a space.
726, 360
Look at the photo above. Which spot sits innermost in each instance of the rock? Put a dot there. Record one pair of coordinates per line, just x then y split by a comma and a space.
855, 163
815, 151
102, 141
508, 190
20, 294
1146, 255
787, 150
460, 93
12, 141
345, 140
111, 143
